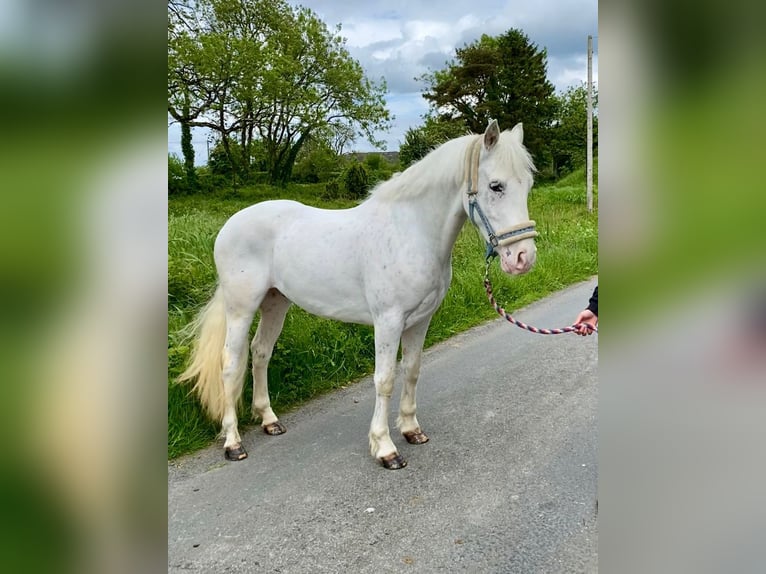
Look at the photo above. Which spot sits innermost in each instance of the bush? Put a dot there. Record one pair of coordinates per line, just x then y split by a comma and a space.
332, 190
378, 168
357, 181
373, 161
176, 176
209, 182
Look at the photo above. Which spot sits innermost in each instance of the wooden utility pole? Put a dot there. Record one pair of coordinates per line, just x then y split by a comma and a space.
589, 153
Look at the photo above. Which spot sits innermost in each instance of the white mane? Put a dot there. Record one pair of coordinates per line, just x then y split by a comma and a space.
445, 165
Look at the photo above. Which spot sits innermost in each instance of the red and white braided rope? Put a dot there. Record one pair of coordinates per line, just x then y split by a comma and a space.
502, 312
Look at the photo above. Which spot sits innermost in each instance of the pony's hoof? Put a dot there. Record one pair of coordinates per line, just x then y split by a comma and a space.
235, 453
274, 429
416, 437
393, 461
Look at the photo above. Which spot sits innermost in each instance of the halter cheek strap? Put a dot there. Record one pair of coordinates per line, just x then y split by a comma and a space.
508, 236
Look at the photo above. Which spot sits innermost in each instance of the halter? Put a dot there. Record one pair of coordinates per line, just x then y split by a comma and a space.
506, 237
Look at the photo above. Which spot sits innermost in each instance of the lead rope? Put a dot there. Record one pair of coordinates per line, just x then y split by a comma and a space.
502, 312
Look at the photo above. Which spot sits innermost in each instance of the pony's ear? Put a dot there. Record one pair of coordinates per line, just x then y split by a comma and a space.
518, 132
491, 135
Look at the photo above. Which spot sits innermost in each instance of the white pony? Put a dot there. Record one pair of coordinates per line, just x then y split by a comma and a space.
385, 262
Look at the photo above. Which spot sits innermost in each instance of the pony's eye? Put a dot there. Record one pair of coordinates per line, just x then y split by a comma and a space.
496, 186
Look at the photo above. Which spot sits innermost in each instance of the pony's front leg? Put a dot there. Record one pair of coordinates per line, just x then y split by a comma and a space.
412, 351
387, 334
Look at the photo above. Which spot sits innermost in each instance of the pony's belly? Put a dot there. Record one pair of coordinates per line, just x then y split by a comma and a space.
344, 314
353, 307
330, 305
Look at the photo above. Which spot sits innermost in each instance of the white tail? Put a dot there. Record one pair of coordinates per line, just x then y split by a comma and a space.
206, 362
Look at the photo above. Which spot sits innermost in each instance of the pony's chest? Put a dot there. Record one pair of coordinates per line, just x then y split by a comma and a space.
417, 285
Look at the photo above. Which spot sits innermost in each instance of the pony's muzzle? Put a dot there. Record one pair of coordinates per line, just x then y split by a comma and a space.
518, 257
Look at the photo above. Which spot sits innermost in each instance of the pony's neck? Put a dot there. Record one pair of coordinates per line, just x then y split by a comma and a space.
447, 220
441, 199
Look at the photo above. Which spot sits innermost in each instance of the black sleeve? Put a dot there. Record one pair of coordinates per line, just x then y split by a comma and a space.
593, 303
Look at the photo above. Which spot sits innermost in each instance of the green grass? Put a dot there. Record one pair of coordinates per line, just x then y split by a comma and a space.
314, 355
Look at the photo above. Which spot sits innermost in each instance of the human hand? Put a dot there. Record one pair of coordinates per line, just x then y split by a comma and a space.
584, 319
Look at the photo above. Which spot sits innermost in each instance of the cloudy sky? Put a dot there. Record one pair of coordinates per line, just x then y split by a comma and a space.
400, 40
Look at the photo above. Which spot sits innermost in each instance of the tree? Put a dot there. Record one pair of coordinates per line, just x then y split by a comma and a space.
338, 135
502, 78
569, 131
415, 146
266, 71
220, 160
316, 162
434, 132
201, 71
188, 151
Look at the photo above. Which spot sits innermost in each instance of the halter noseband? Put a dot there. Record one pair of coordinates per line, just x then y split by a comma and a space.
506, 237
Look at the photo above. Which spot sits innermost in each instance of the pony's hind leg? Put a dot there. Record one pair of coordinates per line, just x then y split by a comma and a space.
242, 299
233, 374
412, 351
273, 311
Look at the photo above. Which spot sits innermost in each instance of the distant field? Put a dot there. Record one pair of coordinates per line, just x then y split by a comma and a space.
313, 355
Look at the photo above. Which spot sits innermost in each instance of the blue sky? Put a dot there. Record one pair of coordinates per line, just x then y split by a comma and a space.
400, 40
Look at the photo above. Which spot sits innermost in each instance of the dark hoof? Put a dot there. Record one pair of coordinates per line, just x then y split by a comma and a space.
393, 461
235, 453
416, 437
274, 429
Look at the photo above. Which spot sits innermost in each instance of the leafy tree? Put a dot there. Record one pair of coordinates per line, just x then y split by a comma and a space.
502, 78
201, 70
188, 151
434, 132
338, 135
569, 132
264, 70
316, 163
416, 146
220, 160
228, 160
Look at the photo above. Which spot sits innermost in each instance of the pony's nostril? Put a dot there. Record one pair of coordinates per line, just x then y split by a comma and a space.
521, 258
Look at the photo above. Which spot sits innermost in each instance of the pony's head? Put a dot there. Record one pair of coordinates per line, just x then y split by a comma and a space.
499, 173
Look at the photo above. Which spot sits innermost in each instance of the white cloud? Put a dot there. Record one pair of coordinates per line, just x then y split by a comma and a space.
360, 33
572, 71
422, 30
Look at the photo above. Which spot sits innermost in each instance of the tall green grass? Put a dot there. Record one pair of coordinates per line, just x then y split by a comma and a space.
314, 355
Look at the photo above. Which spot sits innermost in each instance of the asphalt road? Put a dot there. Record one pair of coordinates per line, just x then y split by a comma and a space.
506, 484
